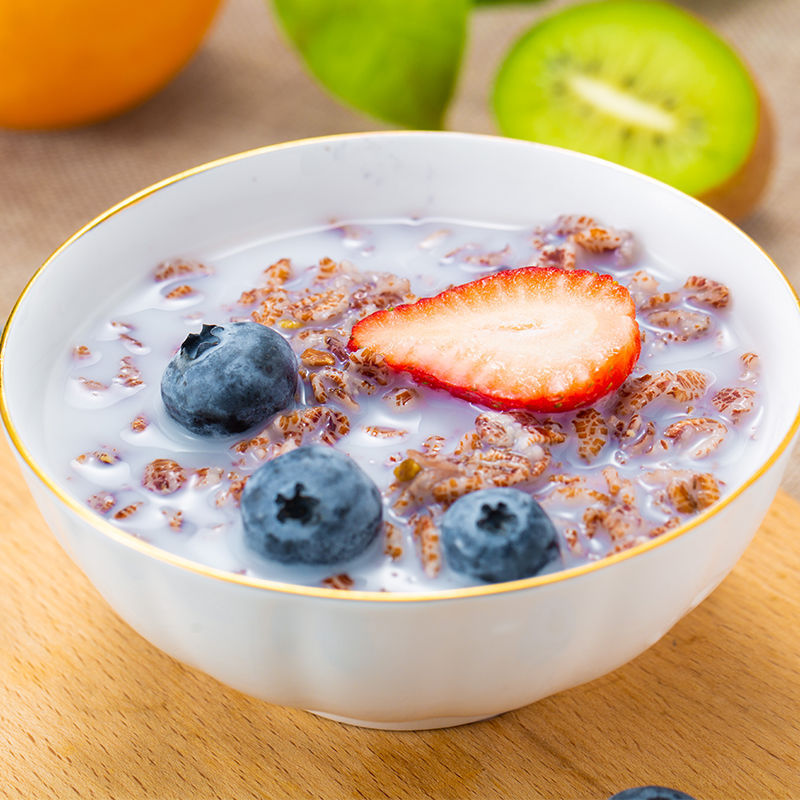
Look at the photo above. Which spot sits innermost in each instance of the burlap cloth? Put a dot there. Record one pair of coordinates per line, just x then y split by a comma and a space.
246, 88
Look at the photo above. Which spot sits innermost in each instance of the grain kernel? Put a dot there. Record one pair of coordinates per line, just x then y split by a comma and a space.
406, 470
317, 358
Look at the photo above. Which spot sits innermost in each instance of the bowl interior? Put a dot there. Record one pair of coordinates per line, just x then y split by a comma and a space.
232, 204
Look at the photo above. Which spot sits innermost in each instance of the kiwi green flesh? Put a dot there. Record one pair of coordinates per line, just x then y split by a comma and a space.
637, 82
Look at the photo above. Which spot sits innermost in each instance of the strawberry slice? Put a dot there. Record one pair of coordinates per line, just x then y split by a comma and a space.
537, 338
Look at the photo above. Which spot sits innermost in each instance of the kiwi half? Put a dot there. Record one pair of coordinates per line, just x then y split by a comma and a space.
645, 84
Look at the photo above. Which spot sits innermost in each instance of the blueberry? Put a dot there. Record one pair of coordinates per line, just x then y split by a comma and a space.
498, 535
651, 793
312, 505
228, 378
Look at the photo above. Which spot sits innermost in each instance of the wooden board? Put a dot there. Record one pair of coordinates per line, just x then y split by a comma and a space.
88, 709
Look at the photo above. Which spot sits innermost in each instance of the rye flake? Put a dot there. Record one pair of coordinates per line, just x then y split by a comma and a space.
128, 374
180, 292
326, 424
392, 540
706, 292
734, 401
692, 493
128, 511
707, 434
688, 385
178, 268
681, 324
592, 432
427, 536
341, 582
163, 476
401, 398
102, 502
318, 306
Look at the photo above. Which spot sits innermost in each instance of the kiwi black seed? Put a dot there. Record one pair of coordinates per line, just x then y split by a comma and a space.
645, 84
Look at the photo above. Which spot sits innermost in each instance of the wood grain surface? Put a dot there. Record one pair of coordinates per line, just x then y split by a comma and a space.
88, 709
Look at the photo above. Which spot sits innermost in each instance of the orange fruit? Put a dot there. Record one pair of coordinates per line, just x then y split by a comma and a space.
66, 63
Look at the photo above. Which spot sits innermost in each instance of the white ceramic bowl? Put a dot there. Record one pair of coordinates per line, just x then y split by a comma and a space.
393, 660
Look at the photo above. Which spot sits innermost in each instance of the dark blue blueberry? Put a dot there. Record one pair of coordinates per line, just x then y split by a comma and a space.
651, 793
228, 378
312, 505
498, 535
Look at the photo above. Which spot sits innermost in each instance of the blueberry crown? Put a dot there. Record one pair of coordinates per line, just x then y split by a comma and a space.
195, 344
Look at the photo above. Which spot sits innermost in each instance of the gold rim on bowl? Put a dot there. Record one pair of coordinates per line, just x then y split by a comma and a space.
151, 550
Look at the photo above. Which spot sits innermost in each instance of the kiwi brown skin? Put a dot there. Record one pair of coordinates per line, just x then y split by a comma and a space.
736, 197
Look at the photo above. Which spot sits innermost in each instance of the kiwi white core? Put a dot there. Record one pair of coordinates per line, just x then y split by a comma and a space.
622, 105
